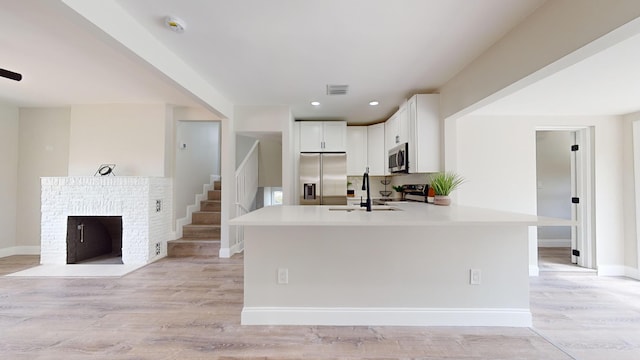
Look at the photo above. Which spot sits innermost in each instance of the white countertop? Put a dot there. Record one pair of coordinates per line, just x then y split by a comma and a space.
406, 214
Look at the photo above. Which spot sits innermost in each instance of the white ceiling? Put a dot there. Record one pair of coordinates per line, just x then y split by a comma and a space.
64, 61
287, 51
607, 83
281, 52
276, 52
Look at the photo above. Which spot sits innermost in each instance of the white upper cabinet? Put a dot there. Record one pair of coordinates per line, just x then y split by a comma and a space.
424, 128
397, 129
335, 135
376, 154
356, 150
390, 132
319, 136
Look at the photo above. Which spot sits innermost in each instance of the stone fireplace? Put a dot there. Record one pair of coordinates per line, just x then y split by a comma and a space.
144, 205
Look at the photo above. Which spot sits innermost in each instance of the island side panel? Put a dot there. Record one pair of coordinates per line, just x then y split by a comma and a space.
383, 269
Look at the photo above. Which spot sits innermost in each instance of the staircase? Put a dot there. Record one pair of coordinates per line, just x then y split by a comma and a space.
202, 236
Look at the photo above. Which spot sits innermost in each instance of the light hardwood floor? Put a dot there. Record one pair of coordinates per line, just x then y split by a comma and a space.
189, 308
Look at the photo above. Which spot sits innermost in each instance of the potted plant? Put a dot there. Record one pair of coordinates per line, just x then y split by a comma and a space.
350, 191
398, 189
443, 183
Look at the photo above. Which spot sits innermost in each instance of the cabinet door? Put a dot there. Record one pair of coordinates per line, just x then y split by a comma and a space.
391, 132
356, 150
335, 136
414, 138
425, 146
376, 154
402, 125
311, 136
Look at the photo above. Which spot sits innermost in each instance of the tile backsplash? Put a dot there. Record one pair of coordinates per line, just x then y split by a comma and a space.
377, 186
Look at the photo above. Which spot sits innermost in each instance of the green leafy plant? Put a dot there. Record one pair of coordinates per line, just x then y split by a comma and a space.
443, 183
397, 188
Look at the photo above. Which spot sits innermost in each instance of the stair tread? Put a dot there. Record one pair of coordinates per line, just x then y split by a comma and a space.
202, 236
186, 248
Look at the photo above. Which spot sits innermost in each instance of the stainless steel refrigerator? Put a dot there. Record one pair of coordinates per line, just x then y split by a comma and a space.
323, 178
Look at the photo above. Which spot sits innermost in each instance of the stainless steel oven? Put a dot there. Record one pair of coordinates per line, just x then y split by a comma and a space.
415, 192
399, 159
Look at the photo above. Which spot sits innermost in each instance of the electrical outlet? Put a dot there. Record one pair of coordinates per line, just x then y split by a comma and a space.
475, 276
158, 205
283, 276
157, 248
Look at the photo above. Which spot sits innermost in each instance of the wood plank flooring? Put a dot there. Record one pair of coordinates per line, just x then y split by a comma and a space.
189, 308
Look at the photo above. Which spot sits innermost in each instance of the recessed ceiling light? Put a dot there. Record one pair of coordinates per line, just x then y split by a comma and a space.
175, 24
374, 103
315, 103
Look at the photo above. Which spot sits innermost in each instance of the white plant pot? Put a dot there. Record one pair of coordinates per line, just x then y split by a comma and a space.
442, 200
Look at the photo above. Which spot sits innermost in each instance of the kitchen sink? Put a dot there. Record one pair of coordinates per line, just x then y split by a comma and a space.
348, 208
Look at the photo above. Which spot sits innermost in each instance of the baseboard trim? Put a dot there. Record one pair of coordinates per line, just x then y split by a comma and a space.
632, 273
386, 316
20, 250
534, 270
554, 242
227, 252
611, 270
224, 253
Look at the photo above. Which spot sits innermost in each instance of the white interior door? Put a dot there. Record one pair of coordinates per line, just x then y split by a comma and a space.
582, 183
575, 215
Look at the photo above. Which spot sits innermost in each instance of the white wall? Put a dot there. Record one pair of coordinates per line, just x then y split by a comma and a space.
273, 119
243, 146
497, 156
270, 163
44, 151
8, 177
132, 136
553, 169
197, 162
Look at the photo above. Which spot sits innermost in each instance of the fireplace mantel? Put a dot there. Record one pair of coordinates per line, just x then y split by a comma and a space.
145, 204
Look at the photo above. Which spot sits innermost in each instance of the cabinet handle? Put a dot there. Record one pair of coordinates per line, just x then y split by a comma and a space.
81, 228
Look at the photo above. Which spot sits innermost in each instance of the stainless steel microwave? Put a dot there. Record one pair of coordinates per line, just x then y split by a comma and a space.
399, 159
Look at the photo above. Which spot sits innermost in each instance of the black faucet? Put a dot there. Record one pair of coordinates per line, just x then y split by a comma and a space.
365, 186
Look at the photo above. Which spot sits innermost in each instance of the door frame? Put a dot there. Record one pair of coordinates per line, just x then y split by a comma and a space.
636, 177
582, 181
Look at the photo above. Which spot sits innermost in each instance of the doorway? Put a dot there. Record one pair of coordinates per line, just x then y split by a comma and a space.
564, 190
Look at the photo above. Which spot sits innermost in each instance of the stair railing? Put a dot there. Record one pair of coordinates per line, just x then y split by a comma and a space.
246, 190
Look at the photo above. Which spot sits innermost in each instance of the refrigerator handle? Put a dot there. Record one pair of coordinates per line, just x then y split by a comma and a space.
310, 191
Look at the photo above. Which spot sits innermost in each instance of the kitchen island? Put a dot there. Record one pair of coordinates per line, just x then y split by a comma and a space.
408, 264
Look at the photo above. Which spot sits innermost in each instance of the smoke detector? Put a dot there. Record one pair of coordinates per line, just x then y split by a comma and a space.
175, 24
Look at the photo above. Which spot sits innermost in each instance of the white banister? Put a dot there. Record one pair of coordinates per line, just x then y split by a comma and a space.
246, 190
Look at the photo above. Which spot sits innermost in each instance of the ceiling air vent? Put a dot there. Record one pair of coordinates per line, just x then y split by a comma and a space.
337, 89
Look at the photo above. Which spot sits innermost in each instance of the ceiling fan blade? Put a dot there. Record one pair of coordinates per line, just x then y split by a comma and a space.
10, 75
